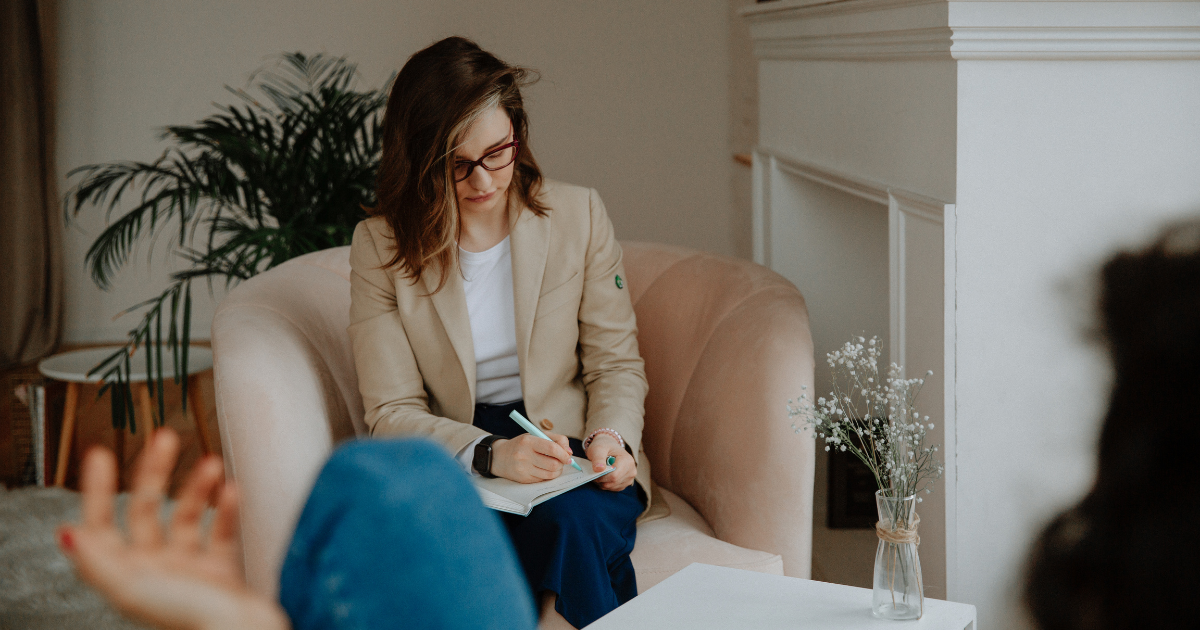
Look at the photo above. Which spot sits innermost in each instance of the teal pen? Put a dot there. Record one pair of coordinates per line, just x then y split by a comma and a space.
528, 426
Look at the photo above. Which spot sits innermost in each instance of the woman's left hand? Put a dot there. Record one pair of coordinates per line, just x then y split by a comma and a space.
624, 470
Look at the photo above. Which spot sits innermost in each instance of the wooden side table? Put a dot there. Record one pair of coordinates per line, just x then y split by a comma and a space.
72, 368
704, 596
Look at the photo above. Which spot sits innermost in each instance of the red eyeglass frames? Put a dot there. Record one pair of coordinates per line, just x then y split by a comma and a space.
493, 160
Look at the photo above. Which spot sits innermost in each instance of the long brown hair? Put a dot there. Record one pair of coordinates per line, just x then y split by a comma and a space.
438, 94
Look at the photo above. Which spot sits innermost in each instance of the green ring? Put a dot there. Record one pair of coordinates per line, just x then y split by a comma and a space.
612, 459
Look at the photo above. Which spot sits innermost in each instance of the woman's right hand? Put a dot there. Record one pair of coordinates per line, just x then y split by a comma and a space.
529, 459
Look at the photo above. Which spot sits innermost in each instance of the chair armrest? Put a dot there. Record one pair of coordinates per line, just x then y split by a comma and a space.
280, 414
734, 455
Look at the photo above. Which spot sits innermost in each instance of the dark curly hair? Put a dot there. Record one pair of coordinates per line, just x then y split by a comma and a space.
1125, 557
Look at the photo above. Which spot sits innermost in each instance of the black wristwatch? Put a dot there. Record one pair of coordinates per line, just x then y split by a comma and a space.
482, 462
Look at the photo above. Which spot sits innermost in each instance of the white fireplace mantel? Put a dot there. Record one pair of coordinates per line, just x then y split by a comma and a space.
943, 172
909, 29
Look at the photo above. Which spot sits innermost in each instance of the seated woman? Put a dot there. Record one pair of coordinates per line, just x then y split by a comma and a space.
479, 288
1125, 556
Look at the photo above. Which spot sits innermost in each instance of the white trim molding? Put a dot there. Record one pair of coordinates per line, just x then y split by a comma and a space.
845, 182
902, 207
919, 43
793, 9
857, 30
850, 29
1082, 43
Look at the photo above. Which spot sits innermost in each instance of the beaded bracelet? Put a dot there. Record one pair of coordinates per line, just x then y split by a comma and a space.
588, 440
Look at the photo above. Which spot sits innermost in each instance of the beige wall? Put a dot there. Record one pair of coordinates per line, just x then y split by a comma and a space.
743, 121
635, 101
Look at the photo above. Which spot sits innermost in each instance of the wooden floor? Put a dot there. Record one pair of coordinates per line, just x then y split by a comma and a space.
94, 425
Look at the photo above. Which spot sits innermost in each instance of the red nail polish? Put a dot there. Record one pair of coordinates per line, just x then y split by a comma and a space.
66, 541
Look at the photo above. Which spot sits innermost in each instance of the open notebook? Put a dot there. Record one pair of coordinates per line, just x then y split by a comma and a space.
519, 498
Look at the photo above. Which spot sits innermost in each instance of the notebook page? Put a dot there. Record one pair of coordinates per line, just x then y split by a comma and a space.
526, 495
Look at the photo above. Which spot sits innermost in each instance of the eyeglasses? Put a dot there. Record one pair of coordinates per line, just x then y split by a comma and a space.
493, 160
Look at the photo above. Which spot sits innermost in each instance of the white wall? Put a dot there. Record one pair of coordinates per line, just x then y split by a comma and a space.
888, 121
634, 101
743, 116
1060, 164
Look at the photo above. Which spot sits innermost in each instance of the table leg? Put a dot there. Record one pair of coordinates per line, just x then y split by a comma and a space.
199, 414
68, 433
147, 409
119, 447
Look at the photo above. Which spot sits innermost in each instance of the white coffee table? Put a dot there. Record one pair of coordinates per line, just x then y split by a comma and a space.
705, 596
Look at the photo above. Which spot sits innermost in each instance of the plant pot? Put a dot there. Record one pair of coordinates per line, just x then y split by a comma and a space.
897, 591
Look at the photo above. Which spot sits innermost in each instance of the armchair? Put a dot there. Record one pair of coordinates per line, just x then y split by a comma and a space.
726, 344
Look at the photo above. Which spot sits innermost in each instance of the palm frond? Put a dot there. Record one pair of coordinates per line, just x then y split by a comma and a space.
267, 178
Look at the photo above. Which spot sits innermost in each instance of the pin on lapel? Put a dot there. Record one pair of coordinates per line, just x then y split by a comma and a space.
620, 283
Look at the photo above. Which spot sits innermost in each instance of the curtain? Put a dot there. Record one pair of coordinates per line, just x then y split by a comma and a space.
30, 214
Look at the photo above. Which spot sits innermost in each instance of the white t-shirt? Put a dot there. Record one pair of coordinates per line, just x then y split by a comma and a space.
488, 284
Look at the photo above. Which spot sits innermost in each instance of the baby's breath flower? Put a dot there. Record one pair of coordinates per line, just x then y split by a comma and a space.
884, 430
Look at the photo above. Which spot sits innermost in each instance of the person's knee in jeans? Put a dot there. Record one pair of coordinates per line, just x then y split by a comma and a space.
394, 527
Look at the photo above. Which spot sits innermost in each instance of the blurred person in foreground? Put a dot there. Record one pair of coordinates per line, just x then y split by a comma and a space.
392, 536
1125, 556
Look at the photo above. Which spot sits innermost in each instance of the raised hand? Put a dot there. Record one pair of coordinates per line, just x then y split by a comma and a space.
529, 459
170, 578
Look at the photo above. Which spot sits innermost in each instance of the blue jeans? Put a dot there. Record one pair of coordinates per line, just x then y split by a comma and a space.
394, 536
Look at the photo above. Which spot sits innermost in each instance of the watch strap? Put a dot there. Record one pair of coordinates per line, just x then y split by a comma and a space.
482, 460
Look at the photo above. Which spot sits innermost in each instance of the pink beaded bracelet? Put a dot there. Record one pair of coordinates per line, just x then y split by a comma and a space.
588, 440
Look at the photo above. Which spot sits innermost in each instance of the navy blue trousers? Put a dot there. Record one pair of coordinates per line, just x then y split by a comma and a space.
577, 544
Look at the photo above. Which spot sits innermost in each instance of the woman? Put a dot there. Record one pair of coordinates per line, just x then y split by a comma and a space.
479, 288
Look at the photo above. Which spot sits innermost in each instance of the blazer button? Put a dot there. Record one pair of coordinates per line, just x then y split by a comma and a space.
546, 424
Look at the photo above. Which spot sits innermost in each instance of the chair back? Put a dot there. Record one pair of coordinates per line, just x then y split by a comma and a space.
286, 393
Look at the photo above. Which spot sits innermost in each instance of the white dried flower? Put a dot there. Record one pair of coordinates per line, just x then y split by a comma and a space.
882, 428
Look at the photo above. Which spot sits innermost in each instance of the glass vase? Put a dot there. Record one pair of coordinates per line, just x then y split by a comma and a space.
897, 591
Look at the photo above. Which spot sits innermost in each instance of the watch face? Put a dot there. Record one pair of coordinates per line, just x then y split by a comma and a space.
482, 462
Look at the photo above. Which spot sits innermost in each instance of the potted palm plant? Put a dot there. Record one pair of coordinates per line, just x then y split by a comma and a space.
286, 170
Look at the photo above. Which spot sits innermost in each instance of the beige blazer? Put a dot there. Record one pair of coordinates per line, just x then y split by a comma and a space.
576, 332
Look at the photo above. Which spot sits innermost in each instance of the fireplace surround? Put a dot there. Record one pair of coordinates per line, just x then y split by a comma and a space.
938, 171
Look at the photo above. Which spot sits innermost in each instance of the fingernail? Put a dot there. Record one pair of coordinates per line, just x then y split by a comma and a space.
65, 540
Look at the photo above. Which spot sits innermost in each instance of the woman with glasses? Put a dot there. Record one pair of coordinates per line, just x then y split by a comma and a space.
480, 288
477, 288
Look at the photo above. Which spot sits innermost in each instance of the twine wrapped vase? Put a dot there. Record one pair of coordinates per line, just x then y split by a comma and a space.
897, 591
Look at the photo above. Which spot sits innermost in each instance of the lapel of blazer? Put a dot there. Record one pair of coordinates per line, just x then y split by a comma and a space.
530, 242
451, 306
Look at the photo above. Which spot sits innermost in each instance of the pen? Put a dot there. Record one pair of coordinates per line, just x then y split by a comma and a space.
528, 426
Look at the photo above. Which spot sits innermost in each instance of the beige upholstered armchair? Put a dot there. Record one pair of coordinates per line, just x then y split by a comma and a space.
726, 344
